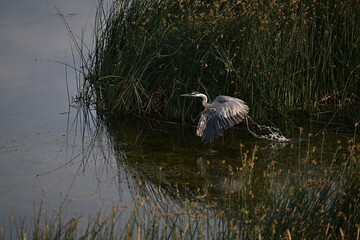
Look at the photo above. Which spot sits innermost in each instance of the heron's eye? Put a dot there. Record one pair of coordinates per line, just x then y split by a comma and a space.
221, 100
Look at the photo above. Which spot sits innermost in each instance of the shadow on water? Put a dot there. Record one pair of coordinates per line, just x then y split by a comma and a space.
240, 187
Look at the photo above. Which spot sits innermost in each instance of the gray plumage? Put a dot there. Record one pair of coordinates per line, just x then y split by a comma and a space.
219, 115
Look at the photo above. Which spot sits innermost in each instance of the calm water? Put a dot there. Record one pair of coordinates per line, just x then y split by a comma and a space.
81, 164
35, 135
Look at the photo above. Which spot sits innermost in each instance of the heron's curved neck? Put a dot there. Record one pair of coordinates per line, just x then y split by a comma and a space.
204, 100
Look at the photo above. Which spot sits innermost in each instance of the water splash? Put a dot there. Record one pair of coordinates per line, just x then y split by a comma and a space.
265, 132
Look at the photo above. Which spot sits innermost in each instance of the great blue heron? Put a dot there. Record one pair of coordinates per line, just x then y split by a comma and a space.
219, 115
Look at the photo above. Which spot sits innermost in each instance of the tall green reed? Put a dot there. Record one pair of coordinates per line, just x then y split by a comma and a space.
278, 56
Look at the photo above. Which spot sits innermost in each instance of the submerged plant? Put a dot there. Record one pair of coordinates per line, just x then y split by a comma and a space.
304, 207
253, 196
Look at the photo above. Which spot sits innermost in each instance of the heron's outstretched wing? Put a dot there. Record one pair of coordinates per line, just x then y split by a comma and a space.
232, 110
224, 113
209, 126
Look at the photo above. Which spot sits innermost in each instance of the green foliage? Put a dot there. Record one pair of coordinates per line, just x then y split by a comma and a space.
276, 55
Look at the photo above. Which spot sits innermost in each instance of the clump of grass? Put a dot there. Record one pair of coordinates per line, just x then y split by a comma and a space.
278, 56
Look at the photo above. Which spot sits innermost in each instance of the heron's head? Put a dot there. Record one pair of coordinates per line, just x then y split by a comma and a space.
193, 94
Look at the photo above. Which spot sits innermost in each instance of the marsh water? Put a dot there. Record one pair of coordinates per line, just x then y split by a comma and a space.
69, 158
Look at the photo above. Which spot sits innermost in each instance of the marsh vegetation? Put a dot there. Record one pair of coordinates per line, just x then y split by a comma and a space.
281, 57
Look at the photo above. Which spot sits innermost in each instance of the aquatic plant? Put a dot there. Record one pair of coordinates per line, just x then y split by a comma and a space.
313, 197
279, 56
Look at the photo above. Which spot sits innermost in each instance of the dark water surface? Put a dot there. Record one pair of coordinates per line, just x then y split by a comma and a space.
81, 163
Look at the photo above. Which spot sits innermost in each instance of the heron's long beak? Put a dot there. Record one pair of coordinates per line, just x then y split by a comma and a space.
187, 95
